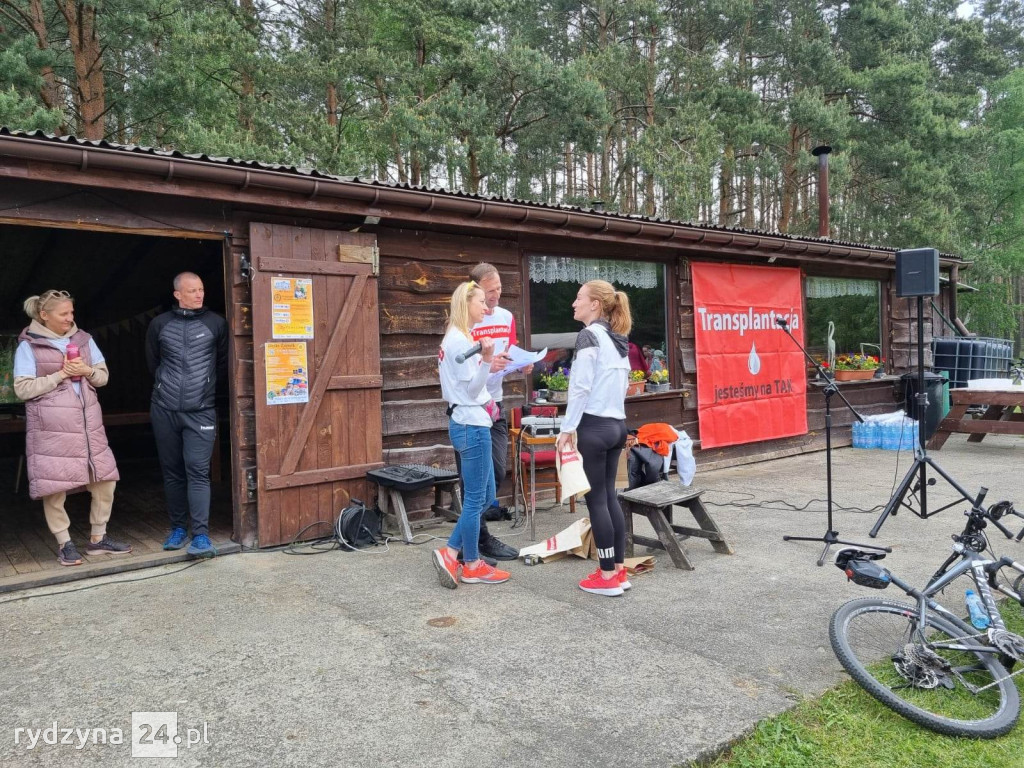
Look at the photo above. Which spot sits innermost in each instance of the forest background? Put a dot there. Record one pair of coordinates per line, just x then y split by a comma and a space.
703, 112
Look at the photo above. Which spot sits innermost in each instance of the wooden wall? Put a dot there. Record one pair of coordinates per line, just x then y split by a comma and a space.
419, 269
242, 385
902, 317
418, 272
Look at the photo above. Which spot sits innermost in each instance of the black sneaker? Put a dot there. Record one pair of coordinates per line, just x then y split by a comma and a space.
68, 554
489, 560
491, 546
496, 514
108, 546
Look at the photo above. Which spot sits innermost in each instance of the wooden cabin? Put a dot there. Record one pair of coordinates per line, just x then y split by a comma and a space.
113, 225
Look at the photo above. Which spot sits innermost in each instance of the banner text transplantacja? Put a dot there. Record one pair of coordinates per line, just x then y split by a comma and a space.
751, 380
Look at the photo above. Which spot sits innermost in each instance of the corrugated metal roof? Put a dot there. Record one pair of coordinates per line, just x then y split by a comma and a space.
315, 174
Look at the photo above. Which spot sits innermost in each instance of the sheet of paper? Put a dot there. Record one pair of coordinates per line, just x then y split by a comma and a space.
518, 359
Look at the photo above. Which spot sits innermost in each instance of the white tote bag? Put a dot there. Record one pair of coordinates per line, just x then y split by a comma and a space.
569, 465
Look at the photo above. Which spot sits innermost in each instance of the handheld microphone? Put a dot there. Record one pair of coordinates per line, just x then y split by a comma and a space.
464, 356
781, 322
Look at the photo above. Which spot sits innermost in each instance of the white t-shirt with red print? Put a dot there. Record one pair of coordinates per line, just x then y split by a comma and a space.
500, 325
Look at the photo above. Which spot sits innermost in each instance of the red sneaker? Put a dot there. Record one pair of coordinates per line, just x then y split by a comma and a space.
623, 578
447, 568
483, 574
597, 584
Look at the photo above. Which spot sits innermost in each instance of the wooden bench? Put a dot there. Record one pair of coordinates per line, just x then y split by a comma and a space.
393, 481
656, 502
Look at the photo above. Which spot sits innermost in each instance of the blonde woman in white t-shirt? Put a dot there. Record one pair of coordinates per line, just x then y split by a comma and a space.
470, 409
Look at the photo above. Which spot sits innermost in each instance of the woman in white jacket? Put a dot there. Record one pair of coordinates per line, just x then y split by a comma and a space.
470, 409
595, 419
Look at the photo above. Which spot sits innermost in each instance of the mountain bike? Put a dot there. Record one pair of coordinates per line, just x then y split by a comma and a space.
922, 660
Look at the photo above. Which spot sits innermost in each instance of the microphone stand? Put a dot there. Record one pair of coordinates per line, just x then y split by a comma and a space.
831, 536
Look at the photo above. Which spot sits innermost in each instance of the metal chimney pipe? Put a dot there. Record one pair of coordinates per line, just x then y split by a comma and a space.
821, 152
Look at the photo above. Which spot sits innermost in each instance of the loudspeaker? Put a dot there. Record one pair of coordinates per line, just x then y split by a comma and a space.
917, 272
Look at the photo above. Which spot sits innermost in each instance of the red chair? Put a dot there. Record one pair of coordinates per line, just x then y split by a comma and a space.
543, 460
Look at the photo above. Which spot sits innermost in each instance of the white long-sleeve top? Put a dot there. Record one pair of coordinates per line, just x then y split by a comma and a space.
464, 385
599, 376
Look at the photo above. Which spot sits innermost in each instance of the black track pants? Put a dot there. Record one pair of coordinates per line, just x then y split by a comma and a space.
600, 441
184, 445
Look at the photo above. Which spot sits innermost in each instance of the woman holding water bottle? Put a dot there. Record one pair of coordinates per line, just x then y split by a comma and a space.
57, 368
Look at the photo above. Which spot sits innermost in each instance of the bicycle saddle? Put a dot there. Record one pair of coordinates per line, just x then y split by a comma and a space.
843, 556
859, 568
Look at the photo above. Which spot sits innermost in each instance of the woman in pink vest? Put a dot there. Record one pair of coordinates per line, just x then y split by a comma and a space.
57, 368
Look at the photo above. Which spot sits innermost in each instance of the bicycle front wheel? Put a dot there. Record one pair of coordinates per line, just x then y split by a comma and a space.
958, 693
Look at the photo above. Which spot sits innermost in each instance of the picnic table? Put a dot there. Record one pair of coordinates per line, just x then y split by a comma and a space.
1000, 417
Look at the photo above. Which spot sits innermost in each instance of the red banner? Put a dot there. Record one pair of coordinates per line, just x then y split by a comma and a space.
751, 377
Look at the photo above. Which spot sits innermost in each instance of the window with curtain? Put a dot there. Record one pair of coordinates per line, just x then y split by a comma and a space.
852, 305
554, 281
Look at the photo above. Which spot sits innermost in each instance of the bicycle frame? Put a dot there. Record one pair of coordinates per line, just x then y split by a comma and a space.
983, 571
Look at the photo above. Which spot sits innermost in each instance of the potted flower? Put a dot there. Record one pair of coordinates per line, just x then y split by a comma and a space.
852, 366
636, 383
657, 381
557, 384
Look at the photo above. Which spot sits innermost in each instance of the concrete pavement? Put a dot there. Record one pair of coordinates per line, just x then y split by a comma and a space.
362, 659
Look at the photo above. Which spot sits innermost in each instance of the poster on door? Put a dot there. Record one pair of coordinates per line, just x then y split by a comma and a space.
292, 302
751, 377
287, 374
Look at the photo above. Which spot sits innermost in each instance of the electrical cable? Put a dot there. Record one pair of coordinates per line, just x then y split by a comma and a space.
102, 584
337, 541
787, 506
116, 204
173, 226
52, 199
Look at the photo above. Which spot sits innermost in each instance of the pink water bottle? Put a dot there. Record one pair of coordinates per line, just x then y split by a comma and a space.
73, 354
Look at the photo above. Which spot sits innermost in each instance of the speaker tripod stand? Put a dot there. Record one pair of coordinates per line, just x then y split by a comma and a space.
919, 469
831, 537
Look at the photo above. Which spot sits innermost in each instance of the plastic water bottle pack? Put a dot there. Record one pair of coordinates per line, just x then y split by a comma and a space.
889, 431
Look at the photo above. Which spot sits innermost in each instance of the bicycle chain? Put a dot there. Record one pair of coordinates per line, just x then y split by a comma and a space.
1007, 642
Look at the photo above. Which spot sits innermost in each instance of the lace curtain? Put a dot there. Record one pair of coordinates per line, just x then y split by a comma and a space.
566, 269
830, 287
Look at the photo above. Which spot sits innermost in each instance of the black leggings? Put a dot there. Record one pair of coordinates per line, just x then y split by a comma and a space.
600, 441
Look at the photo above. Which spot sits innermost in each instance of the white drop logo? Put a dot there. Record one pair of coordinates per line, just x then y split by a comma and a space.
753, 361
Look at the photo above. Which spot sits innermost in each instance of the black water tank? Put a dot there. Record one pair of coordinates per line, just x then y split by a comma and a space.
933, 387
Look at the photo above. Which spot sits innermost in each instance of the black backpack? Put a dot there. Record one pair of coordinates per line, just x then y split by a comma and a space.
644, 465
358, 526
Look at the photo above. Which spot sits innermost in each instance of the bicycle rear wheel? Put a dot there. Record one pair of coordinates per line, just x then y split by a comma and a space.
876, 642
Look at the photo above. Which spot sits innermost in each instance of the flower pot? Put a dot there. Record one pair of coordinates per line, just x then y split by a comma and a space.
558, 396
854, 375
657, 386
635, 388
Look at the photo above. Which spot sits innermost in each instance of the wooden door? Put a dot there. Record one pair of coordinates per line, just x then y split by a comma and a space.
312, 457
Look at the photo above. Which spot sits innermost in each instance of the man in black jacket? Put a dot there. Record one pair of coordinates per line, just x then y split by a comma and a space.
187, 351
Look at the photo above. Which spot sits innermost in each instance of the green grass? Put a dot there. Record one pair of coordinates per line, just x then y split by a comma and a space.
847, 728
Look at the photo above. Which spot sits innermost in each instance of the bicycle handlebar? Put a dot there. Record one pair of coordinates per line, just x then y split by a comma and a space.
982, 493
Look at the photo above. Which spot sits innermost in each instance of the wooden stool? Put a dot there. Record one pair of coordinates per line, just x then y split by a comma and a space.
656, 502
393, 481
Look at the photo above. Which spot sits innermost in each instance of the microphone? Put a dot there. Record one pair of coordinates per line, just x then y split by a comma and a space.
464, 356
781, 322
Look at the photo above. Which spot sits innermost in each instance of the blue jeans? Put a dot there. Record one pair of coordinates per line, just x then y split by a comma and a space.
474, 447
